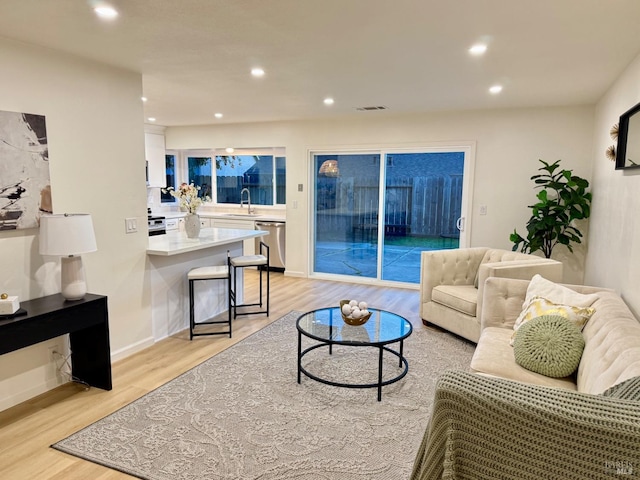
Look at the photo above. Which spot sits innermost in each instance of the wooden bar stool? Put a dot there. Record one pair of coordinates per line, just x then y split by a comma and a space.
221, 272
262, 262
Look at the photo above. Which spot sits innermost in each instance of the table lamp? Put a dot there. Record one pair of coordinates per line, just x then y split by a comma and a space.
68, 236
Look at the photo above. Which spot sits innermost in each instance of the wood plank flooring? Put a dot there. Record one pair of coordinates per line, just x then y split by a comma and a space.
27, 430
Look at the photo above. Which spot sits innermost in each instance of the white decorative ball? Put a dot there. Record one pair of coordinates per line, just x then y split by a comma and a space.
353, 303
356, 314
346, 309
363, 305
364, 312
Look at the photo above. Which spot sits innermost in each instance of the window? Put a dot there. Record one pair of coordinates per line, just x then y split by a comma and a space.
170, 169
261, 171
199, 173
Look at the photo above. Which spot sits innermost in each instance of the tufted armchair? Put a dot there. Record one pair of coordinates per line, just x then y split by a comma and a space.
452, 283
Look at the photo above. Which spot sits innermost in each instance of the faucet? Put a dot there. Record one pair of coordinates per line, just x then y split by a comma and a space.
248, 199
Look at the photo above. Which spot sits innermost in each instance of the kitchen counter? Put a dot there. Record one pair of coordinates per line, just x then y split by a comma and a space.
171, 256
175, 243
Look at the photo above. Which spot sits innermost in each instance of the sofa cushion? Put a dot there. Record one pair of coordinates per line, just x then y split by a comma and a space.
463, 298
494, 356
627, 390
539, 306
550, 345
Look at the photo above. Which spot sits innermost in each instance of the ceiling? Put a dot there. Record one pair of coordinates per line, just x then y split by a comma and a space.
410, 56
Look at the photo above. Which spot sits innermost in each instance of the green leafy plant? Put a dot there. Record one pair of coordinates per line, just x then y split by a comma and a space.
562, 199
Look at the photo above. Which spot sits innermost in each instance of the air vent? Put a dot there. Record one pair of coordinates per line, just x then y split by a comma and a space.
365, 109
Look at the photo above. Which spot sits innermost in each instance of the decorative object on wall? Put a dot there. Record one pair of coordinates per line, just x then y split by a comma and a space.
562, 199
628, 151
68, 236
610, 152
25, 190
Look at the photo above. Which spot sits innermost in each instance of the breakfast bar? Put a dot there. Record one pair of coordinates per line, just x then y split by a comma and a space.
171, 256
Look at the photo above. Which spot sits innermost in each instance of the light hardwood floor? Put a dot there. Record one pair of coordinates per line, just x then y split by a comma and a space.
27, 430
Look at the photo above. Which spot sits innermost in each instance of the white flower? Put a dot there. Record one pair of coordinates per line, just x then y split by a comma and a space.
187, 196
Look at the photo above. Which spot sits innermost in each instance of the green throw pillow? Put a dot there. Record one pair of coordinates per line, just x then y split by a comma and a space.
550, 345
627, 390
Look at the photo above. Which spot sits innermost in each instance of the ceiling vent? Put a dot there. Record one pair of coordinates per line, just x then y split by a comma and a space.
366, 109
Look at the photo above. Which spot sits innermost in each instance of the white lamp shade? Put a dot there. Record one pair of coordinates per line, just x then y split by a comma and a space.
67, 234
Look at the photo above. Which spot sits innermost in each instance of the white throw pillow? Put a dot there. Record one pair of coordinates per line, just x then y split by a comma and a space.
541, 287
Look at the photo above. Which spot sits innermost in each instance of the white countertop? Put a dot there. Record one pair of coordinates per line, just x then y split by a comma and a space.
175, 243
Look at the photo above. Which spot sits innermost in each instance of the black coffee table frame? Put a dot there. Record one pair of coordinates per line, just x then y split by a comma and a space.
330, 341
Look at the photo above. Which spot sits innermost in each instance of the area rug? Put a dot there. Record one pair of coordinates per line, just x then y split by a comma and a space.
242, 415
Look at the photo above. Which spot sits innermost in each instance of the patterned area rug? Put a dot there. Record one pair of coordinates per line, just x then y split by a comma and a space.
242, 415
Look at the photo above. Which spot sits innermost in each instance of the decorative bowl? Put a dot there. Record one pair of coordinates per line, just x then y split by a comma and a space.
353, 321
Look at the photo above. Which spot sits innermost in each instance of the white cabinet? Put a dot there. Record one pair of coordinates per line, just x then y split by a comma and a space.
155, 157
239, 224
172, 224
205, 222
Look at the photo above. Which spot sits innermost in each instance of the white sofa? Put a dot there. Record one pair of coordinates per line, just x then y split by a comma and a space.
503, 422
612, 339
452, 283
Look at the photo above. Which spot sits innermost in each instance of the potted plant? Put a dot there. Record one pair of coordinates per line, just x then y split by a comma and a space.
563, 198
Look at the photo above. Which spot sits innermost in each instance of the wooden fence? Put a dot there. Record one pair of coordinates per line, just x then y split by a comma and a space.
422, 206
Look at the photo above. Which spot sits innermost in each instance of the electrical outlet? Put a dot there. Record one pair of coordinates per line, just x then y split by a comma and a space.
53, 353
483, 209
300, 187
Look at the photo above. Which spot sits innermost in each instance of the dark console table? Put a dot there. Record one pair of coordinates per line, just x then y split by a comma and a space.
87, 323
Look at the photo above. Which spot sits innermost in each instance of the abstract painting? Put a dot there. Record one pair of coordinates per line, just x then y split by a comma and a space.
25, 190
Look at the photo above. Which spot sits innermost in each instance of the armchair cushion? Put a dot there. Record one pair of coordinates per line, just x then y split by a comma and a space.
463, 298
550, 345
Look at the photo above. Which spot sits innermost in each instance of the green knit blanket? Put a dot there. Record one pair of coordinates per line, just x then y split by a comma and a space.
489, 428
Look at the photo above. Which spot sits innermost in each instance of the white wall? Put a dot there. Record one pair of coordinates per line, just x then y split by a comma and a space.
94, 124
614, 248
508, 146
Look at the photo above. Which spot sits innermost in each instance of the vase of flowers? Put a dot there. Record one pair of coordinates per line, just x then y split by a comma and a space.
188, 199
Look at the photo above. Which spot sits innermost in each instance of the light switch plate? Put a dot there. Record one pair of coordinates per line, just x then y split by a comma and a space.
131, 225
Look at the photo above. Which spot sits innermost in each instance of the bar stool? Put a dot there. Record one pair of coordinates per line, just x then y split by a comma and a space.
221, 272
262, 262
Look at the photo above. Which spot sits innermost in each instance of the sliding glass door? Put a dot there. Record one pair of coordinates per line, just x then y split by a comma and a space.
373, 218
346, 214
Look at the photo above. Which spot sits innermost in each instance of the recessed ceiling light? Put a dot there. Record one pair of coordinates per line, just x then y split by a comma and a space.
144, 99
478, 49
257, 72
328, 101
152, 119
105, 11
495, 89
229, 150
217, 115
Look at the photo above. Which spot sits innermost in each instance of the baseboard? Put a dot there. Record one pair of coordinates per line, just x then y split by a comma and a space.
293, 273
131, 349
32, 392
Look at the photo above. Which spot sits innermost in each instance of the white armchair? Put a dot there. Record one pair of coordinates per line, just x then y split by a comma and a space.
452, 283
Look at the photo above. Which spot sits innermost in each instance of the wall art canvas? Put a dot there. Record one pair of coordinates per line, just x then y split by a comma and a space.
25, 189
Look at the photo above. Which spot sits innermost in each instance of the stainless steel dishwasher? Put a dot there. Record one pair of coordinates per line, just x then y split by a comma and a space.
276, 241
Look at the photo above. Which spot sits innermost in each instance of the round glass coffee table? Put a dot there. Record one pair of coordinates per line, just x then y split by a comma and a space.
327, 327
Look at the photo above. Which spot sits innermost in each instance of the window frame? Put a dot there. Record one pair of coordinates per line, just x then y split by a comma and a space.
182, 170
